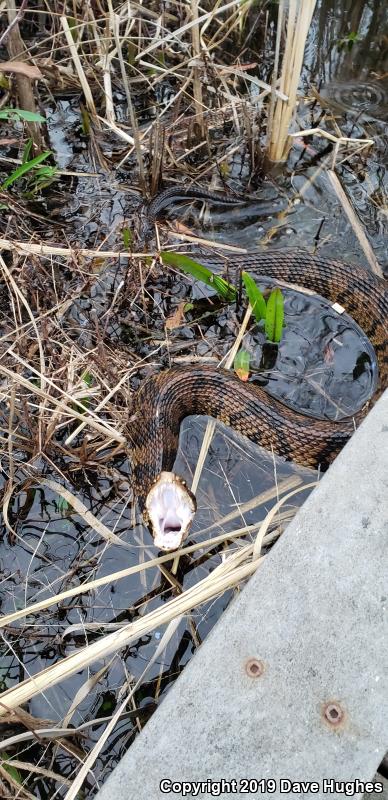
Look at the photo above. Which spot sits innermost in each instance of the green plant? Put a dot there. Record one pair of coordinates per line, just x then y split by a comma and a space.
271, 312
83, 403
12, 771
85, 121
27, 166
127, 238
20, 114
38, 179
62, 506
255, 297
41, 178
348, 41
201, 273
241, 364
274, 319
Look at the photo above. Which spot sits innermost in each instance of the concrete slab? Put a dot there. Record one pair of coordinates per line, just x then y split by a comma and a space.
292, 682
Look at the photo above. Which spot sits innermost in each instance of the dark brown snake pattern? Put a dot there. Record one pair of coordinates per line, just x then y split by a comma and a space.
166, 398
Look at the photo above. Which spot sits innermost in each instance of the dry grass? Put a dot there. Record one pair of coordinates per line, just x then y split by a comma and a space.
47, 398
242, 563
43, 372
296, 15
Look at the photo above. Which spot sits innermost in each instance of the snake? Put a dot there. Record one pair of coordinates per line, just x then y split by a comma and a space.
164, 399
150, 211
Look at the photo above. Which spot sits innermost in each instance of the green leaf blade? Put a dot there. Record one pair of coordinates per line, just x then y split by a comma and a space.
21, 113
200, 273
12, 771
26, 167
255, 297
274, 320
241, 364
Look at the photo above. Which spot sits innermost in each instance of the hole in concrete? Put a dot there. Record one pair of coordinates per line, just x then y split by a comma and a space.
254, 667
333, 713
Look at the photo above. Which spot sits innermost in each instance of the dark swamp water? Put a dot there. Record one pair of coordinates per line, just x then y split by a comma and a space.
325, 367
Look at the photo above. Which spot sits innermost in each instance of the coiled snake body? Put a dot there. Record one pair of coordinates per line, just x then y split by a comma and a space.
166, 398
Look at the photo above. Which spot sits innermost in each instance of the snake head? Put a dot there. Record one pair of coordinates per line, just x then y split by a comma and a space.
170, 508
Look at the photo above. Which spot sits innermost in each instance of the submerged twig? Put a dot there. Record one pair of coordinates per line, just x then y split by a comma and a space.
355, 223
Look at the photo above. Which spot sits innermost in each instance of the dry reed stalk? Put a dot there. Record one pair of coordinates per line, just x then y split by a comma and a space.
45, 733
17, 15
237, 567
30, 248
99, 407
35, 769
94, 753
299, 14
115, 23
20, 296
355, 223
264, 497
81, 509
184, 237
197, 88
99, 426
228, 574
337, 139
224, 29
9, 278
166, 109
24, 85
83, 691
157, 140
103, 49
78, 67
18, 791
271, 109
177, 34
271, 514
267, 89
211, 425
92, 585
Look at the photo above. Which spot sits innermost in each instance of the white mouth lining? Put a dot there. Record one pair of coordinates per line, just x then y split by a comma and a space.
171, 508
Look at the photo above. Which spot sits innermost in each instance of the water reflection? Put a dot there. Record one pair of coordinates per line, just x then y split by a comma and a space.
348, 41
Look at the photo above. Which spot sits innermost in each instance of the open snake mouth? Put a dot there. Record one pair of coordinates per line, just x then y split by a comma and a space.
170, 507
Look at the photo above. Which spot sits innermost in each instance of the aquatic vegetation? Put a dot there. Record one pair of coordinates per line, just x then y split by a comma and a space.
200, 273
241, 364
274, 318
255, 297
38, 177
271, 313
20, 114
349, 40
